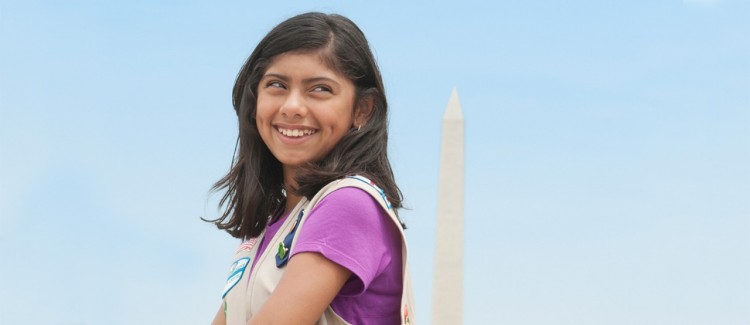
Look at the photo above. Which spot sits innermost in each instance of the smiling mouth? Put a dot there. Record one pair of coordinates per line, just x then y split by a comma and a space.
296, 133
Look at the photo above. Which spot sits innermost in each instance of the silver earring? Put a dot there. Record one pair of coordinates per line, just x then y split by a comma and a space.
359, 127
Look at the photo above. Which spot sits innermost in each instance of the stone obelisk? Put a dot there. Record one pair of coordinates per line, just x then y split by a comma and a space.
447, 291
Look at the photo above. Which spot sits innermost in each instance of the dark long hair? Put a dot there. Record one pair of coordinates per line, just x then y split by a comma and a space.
255, 183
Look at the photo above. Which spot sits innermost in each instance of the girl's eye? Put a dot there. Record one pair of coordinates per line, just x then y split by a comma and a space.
274, 84
322, 89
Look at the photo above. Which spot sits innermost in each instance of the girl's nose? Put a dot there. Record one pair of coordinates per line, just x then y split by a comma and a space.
293, 106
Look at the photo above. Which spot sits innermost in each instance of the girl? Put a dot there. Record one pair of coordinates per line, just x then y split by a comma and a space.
311, 192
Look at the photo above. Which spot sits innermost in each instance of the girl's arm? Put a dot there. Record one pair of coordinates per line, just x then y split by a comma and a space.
307, 287
220, 319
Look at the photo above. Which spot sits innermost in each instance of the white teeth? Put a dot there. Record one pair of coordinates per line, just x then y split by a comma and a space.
296, 132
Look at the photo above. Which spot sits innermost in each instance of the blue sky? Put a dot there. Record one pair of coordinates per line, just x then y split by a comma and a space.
607, 154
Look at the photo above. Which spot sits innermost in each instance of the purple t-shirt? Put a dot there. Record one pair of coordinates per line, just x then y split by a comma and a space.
351, 229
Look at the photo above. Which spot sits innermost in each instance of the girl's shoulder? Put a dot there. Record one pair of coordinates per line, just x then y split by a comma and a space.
355, 188
342, 224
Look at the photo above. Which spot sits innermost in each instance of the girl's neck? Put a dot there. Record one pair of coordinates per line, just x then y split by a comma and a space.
290, 185
291, 201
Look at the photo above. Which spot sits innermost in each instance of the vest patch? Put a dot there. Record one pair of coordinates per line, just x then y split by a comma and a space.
235, 274
247, 245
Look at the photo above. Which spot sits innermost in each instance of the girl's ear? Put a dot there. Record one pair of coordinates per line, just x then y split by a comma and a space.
363, 111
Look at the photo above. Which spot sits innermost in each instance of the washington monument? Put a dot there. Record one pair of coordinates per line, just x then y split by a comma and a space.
447, 291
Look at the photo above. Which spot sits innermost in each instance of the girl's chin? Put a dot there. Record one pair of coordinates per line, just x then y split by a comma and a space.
292, 163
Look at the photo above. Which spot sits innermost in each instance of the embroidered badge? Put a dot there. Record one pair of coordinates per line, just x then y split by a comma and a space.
247, 245
235, 274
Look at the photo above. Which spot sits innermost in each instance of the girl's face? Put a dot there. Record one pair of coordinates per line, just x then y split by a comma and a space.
304, 108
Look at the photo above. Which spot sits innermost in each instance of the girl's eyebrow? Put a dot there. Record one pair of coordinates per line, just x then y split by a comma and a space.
277, 76
305, 81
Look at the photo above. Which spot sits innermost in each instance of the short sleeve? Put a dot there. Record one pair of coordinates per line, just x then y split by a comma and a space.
351, 229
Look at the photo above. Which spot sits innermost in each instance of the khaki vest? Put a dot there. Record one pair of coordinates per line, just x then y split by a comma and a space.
244, 297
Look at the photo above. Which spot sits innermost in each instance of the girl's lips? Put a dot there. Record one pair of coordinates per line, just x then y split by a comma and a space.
294, 136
